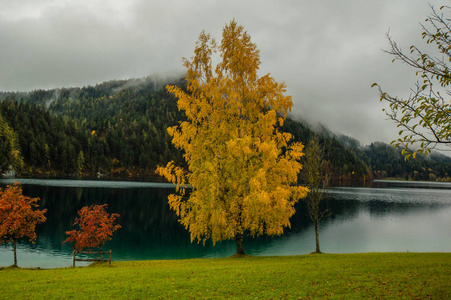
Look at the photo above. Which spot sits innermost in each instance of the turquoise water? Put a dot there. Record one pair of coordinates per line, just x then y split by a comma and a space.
386, 217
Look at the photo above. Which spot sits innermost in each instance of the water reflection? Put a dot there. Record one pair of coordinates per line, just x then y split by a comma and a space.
362, 220
410, 184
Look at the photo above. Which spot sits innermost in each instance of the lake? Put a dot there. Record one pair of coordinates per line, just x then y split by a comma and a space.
387, 217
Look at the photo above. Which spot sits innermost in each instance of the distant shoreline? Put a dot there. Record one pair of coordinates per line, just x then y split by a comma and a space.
410, 183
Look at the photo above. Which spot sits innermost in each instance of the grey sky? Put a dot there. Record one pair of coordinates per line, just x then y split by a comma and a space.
327, 51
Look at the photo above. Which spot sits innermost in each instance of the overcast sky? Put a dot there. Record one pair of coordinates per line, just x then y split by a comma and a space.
327, 51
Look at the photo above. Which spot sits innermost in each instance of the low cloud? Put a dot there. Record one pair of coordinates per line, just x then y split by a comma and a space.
328, 52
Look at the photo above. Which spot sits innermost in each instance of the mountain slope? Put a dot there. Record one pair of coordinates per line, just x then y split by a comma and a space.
119, 128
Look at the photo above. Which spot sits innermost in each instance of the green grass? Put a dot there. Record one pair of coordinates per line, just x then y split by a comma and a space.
337, 276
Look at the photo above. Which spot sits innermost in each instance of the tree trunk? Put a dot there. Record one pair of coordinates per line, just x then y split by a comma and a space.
15, 253
239, 244
317, 237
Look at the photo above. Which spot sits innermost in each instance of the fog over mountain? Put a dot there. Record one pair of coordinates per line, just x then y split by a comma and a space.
328, 52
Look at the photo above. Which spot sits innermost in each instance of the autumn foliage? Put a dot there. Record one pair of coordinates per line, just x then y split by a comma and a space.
242, 169
18, 216
96, 227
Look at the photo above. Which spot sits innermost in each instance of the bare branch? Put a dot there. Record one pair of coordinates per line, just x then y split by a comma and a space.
425, 116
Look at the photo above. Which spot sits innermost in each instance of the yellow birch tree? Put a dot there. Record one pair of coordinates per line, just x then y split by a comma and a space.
241, 168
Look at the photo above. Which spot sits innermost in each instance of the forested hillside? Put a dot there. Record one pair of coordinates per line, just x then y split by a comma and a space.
386, 161
345, 165
118, 128
115, 128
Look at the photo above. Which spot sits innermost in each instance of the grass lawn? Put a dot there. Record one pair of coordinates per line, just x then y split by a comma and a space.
338, 276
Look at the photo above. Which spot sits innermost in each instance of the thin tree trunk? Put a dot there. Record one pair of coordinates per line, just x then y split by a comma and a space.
317, 237
239, 244
15, 253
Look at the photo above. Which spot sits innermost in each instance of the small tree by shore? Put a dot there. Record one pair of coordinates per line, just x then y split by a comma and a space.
18, 216
316, 176
96, 227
